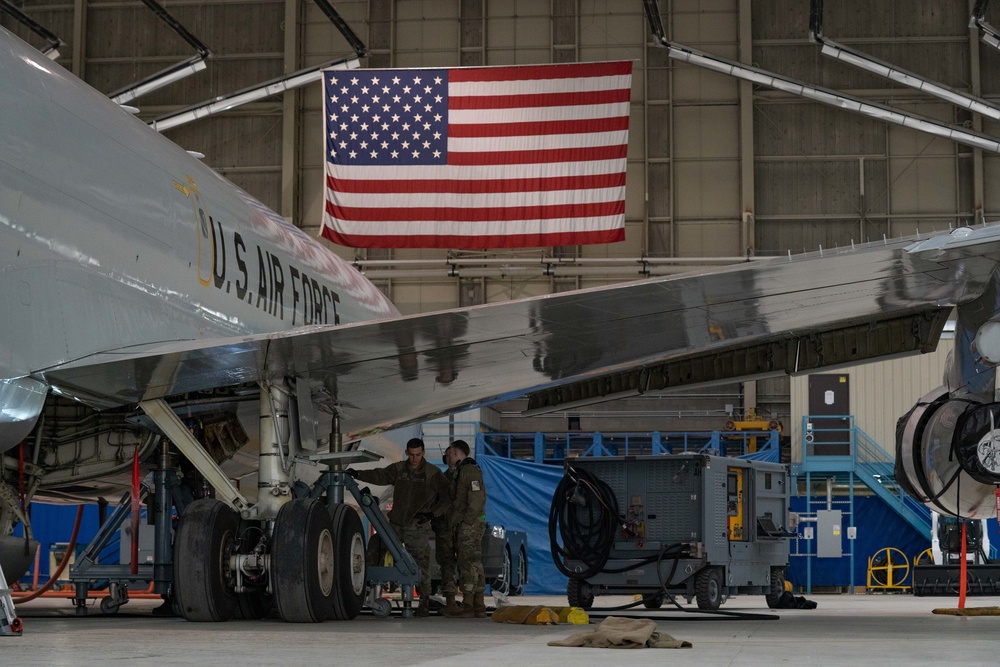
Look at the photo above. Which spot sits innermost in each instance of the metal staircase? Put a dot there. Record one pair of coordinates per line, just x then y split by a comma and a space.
867, 462
875, 467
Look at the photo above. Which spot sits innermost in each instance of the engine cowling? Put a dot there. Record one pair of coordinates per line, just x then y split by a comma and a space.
948, 454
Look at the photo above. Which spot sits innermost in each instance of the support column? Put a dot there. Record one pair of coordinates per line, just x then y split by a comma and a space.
975, 78
747, 204
163, 552
79, 35
290, 118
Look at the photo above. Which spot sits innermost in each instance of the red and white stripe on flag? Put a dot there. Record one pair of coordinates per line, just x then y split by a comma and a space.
481, 157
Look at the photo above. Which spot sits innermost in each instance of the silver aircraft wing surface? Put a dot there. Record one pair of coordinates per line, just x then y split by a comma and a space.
785, 315
131, 272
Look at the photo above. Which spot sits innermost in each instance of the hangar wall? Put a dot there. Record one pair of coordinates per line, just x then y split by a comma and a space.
716, 168
880, 393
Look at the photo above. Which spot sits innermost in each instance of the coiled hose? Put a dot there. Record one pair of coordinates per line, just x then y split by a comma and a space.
584, 517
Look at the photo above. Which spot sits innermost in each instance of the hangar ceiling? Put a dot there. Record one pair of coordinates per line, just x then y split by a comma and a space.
717, 168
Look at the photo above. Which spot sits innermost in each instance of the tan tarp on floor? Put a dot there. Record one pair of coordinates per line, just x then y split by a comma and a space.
617, 632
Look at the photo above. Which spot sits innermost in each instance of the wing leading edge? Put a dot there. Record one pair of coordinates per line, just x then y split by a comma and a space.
766, 318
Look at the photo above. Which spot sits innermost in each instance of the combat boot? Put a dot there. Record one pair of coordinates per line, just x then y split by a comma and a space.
450, 606
478, 605
423, 608
466, 610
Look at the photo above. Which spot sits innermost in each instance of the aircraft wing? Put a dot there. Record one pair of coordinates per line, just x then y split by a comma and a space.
762, 318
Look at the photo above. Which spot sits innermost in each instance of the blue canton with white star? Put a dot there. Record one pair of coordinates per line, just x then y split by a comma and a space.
387, 117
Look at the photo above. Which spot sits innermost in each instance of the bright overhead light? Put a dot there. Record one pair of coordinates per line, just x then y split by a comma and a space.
163, 78
239, 98
830, 97
863, 61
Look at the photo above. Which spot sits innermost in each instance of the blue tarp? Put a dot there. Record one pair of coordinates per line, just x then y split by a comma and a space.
54, 523
878, 527
519, 496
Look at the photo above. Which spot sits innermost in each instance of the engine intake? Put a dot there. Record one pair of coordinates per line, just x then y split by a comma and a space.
948, 454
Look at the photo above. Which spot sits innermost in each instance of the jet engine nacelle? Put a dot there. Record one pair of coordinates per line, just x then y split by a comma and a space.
948, 454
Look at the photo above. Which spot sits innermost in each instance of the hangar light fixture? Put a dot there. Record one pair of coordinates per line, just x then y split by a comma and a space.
54, 41
991, 35
816, 93
171, 74
247, 95
886, 70
165, 77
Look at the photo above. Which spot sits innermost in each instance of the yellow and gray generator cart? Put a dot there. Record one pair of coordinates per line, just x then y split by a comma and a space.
691, 525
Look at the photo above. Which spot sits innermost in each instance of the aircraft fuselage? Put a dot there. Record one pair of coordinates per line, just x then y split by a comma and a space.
113, 238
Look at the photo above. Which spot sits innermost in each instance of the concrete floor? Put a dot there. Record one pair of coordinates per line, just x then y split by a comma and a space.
843, 630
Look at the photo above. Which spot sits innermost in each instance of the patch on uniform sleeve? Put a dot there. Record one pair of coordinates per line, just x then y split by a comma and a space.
476, 486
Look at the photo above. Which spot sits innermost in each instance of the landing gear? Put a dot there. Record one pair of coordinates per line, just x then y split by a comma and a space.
348, 562
254, 602
204, 583
302, 562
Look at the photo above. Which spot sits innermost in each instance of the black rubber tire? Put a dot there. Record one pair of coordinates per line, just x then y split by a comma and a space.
108, 605
501, 584
522, 574
203, 542
302, 557
708, 588
349, 563
777, 587
652, 600
579, 594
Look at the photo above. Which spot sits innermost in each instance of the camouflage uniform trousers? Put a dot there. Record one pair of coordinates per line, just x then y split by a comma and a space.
469, 545
417, 540
444, 553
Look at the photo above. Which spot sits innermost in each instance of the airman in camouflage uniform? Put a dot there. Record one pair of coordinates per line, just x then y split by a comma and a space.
444, 544
468, 515
420, 490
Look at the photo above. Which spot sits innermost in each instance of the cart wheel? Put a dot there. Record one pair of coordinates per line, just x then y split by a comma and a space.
652, 600
777, 587
579, 593
522, 574
708, 588
108, 605
381, 607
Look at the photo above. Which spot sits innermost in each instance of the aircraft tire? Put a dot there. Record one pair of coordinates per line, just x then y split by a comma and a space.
302, 562
203, 583
349, 561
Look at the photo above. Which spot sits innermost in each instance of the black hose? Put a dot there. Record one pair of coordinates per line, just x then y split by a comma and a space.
584, 516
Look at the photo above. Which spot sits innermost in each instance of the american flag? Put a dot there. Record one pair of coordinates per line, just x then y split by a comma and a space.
481, 157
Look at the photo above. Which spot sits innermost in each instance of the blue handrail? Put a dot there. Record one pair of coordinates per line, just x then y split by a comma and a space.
554, 447
872, 464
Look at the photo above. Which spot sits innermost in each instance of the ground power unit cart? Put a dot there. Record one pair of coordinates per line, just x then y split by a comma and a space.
687, 525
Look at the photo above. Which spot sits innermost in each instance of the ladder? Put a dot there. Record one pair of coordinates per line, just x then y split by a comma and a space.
10, 624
